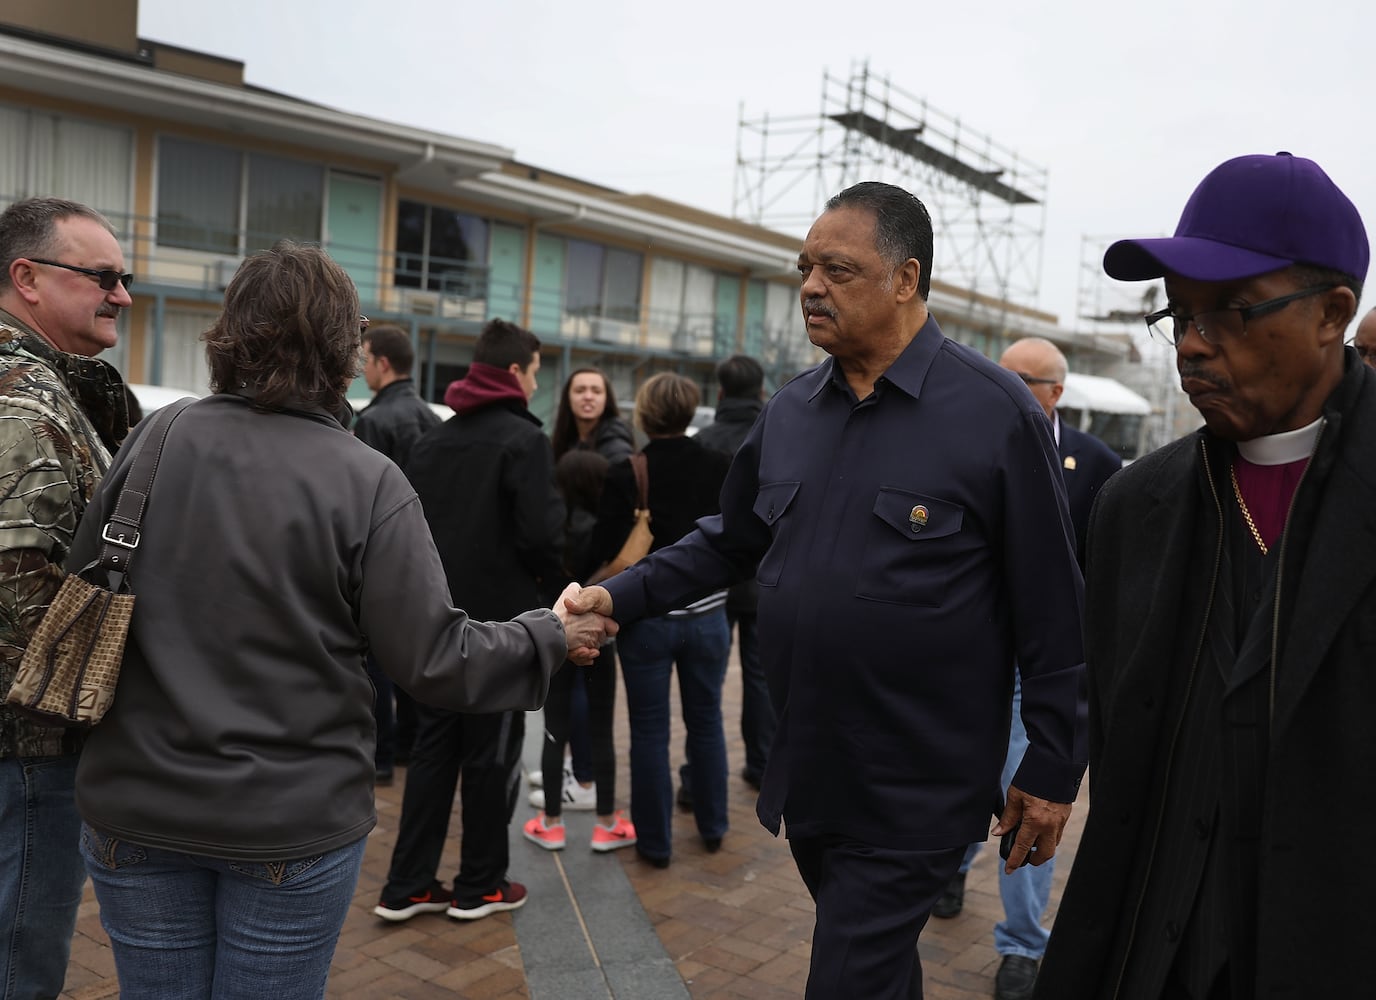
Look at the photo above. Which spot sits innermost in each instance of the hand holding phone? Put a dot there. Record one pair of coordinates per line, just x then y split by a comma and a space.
1006, 844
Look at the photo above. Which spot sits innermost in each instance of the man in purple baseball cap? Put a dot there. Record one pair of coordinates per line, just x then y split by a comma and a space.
1230, 635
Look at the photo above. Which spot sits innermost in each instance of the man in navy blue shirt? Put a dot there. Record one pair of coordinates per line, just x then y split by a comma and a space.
904, 504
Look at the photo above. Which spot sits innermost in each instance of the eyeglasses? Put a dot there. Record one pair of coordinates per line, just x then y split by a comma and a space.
1033, 380
363, 322
1363, 352
1217, 325
106, 278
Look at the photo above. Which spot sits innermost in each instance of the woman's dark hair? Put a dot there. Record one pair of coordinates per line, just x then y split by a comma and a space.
580, 474
565, 435
289, 330
665, 404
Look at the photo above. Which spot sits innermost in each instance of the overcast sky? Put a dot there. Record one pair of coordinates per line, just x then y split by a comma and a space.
1126, 106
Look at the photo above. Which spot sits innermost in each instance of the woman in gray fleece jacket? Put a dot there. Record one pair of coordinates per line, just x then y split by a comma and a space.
228, 793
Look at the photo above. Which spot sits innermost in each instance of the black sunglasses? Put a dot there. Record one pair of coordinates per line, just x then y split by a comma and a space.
106, 278
1033, 380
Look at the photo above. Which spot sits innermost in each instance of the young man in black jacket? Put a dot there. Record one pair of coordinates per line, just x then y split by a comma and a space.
392, 424
486, 481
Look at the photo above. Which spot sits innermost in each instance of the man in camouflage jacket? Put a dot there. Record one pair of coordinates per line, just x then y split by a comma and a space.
62, 415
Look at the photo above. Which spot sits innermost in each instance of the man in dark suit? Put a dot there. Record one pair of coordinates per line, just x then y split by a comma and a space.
1086, 463
1085, 460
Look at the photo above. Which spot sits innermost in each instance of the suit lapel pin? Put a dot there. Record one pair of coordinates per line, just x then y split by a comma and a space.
1070, 462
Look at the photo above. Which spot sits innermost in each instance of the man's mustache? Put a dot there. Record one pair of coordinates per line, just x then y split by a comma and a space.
818, 306
1191, 370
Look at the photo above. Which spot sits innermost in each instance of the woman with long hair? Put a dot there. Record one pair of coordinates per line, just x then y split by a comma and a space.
227, 795
588, 417
587, 420
580, 475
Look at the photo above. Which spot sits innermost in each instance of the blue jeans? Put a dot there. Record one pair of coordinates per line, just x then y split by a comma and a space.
186, 927
649, 649
40, 888
1026, 892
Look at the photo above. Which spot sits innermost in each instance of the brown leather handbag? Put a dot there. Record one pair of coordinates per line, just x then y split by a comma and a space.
638, 542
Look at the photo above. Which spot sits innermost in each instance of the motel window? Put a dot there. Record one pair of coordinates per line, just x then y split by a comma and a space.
225, 201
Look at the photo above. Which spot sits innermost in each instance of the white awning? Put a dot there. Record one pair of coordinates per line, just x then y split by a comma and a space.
1100, 394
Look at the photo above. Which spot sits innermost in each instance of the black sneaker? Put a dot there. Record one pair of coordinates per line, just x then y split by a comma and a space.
436, 899
952, 900
507, 896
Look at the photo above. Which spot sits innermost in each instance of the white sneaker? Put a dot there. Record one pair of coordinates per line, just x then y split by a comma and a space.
575, 797
536, 779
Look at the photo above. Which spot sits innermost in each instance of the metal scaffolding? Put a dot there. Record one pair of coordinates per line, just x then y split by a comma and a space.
988, 205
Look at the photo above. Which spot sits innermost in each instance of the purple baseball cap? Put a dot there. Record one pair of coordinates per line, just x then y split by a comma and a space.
1249, 216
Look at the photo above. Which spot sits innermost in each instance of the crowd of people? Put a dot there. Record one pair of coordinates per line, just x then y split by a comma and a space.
948, 603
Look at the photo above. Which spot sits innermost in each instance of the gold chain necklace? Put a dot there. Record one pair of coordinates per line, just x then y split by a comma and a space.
1246, 514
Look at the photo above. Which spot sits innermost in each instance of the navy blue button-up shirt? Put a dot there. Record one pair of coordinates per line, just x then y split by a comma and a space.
911, 547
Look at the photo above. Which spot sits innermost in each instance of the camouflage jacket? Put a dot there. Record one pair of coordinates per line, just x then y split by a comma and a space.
61, 418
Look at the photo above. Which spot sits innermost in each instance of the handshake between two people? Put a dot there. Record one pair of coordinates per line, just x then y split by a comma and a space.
585, 613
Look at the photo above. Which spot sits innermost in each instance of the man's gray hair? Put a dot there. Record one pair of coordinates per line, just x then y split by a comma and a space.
28, 229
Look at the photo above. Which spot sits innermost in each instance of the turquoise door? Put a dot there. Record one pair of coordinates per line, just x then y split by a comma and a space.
504, 277
727, 316
547, 286
352, 223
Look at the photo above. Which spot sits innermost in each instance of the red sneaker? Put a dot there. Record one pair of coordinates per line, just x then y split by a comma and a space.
550, 837
608, 838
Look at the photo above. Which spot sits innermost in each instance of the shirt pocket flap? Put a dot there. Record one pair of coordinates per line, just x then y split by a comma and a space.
773, 499
917, 516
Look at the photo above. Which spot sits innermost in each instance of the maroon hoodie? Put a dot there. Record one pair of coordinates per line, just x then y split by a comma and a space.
483, 386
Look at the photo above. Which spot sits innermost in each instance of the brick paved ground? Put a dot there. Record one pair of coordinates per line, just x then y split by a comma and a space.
735, 924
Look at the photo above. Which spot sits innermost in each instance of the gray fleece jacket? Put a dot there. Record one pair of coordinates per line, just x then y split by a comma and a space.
275, 550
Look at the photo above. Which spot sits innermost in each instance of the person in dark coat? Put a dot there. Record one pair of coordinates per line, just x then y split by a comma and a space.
587, 419
392, 423
739, 401
1230, 623
691, 638
485, 478
227, 796
901, 508
397, 417
581, 473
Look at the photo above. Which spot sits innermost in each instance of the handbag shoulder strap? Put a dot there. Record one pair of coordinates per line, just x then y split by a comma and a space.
120, 536
641, 468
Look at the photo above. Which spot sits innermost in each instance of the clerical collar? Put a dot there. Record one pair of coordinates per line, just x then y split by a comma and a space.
1279, 449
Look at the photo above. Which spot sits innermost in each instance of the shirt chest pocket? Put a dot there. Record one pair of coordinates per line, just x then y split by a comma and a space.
771, 503
911, 548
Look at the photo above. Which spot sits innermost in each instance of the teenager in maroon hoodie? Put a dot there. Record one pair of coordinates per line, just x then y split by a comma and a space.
486, 482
